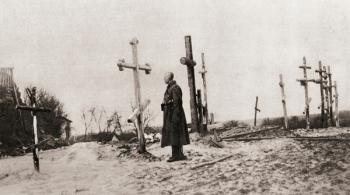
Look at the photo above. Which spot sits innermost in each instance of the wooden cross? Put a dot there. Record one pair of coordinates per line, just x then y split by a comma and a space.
190, 63
336, 95
281, 83
34, 109
203, 72
304, 82
330, 90
256, 109
327, 99
138, 112
321, 83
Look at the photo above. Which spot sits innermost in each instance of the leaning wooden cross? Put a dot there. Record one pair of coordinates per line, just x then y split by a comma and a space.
34, 109
304, 82
190, 63
256, 110
137, 115
281, 83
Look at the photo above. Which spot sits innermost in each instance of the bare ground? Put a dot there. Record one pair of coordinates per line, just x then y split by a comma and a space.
274, 166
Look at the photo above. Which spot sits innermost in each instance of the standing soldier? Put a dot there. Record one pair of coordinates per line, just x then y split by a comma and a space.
174, 132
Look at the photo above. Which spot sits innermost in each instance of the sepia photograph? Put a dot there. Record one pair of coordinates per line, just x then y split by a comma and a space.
177, 97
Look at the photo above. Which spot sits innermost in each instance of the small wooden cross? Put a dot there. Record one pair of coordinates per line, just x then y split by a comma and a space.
138, 112
34, 109
304, 82
281, 83
256, 109
190, 63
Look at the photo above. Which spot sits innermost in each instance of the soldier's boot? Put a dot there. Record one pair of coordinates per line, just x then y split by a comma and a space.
173, 154
180, 155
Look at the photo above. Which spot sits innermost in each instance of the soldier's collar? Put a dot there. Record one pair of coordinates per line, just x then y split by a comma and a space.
171, 83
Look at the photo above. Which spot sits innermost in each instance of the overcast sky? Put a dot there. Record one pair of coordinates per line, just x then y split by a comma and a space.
71, 48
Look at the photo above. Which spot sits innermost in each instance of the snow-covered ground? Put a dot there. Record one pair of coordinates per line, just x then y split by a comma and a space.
277, 166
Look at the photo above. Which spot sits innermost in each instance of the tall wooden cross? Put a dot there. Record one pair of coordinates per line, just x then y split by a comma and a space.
281, 83
203, 72
330, 90
321, 83
138, 112
256, 110
34, 109
305, 82
190, 63
336, 96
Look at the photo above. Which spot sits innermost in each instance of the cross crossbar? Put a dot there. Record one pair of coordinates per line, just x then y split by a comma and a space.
122, 64
33, 109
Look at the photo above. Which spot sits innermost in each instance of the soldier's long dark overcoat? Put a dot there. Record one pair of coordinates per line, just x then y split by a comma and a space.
174, 131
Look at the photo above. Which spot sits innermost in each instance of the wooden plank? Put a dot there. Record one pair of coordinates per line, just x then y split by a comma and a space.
251, 133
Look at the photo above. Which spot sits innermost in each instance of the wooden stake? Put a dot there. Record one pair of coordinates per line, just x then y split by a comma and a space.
256, 109
34, 109
304, 82
190, 63
136, 67
284, 102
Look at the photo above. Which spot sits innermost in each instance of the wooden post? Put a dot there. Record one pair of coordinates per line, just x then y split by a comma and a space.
136, 67
190, 63
336, 96
304, 82
34, 109
330, 90
200, 112
281, 83
256, 109
205, 101
320, 71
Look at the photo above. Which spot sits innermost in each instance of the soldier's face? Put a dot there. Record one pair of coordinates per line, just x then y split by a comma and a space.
167, 78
